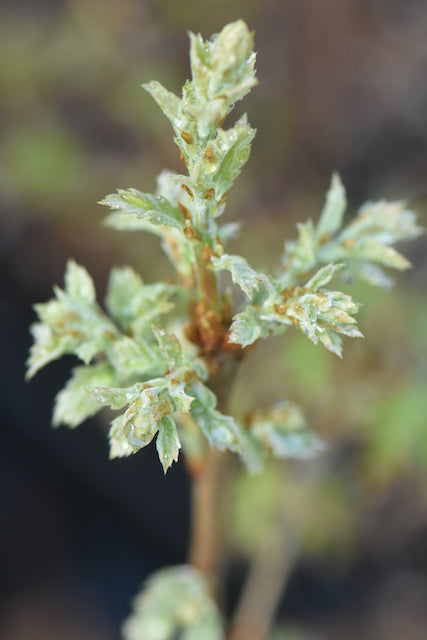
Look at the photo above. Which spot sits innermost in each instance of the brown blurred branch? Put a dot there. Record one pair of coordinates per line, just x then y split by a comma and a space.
268, 575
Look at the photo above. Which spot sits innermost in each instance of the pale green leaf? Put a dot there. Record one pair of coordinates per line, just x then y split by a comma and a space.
78, 283
133, 358
241, 272
282, 430
248, 326
323, 276
46, 348
156, 210
174, 603
149, 409
223, 67
181, 398
115, 397
367, 272
168, 102
119, 445
228, 231
135, 305
230, 151
71, 323
170, 347
233, 61
316, 313
132, 222
167, 443
124, 284
169, 186
331, 218
386, 222
299, 256
332, 341
73, 403
220, 430
373, 251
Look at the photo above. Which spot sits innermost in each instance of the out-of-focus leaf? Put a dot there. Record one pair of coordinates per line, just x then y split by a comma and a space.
399, 439
364, 245
283, 430
78, 283
332, 214
174, 602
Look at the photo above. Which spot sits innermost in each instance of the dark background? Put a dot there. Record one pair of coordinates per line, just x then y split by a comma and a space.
342, 87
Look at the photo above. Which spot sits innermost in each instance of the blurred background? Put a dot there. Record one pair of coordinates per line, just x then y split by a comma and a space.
342, 87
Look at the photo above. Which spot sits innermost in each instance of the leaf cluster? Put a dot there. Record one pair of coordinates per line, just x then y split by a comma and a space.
132, 362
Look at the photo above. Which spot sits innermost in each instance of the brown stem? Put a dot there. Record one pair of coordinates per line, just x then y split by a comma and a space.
208, 479
205, 538
264, 586
207, 279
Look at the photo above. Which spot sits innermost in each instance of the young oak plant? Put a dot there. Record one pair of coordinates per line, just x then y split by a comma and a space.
163, 386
